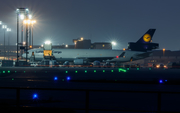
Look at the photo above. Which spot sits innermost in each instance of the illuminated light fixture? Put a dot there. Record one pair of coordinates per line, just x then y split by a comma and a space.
81, 38
29, 21
113, 43
85, 71
149, 68
42, 45
47, 42
127, 68
22, 16
117, 56
8, 71
137, 68
94, 71
66, 45
124, 49
165, 80
8, 29
12, 78
157, 66
164, 49
68, 78
3, 71
24, 71
103, 70
112, 70
55, 78
66, 71
76, 71
30, 16
27, 9
0, 22
24, 43
35, 96
160, 81
4, 26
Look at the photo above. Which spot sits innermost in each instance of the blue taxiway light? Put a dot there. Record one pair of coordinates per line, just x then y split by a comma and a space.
35, 96
68, 78
55, 78
160, 81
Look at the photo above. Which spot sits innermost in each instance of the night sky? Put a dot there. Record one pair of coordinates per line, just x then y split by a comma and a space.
122, 21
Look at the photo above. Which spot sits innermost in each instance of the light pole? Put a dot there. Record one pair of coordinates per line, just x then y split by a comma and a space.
30, 23
4, 27
8, 30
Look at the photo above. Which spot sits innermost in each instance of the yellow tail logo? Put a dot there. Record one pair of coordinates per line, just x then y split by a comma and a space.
147, 38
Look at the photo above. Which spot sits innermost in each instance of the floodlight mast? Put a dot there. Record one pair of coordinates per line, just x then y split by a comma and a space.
27, 11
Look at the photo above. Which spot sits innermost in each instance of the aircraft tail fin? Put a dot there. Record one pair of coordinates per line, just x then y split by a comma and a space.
147, 37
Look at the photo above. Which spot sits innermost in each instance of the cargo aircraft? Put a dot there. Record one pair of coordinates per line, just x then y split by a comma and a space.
135, 51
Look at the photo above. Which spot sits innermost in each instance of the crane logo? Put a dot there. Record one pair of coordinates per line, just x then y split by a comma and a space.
147, 38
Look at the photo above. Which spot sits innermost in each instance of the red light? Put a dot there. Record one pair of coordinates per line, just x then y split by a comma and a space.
117, 56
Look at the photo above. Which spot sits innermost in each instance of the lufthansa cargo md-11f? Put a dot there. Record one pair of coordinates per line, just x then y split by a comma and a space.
136, 50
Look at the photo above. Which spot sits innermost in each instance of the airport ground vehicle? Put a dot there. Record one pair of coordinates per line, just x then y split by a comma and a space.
97, 64
161, 65
33, 64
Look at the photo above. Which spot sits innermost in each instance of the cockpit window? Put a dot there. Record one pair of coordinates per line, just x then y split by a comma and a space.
39, 51
58, 52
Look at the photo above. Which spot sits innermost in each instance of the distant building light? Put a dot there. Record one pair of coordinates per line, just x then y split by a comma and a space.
113, 43
47, 42
42, 45
124, 49
81, 38
103, 45
66, 45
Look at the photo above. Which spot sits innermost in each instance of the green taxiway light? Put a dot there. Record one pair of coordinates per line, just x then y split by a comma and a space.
8, 71
34, 71
103, 70
112, 70
45, 71
62, 79
24, 71
3, 71
115, 80
94, 71
12, 78
122, 70
66, 71
15, 71
127, 68
137, 68
85, 71
149, 68
76, 71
